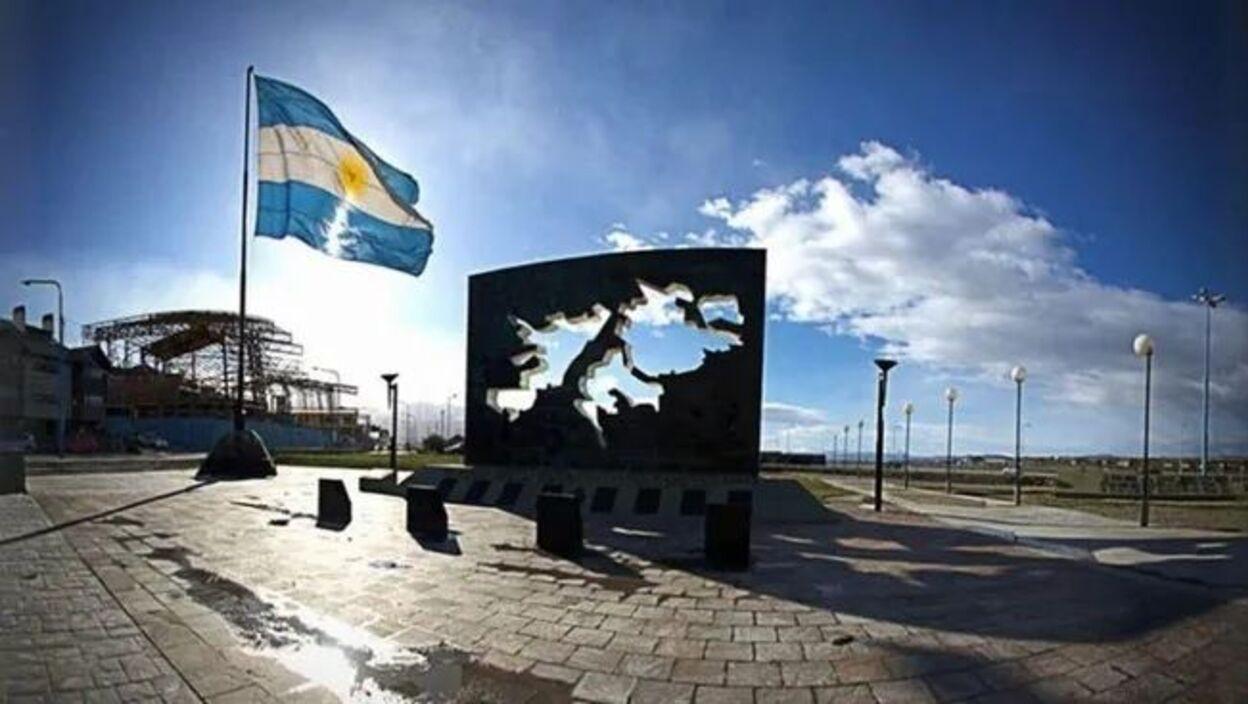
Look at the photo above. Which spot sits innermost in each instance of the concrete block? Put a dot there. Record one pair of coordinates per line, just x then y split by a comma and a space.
426, 513
559, 528
12, 473
333, 506
727, 536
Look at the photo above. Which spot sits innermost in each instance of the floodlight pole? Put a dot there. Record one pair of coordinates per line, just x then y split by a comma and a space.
858, 462
951, 394
1209, 300
392, 399
1019, 375
1143, 347
909, 410
884, 365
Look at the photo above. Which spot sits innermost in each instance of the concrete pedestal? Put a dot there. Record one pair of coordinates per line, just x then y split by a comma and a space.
559, 528
426, 514
12, 473
728, 536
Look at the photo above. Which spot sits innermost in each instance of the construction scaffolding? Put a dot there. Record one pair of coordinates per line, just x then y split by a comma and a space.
180, 361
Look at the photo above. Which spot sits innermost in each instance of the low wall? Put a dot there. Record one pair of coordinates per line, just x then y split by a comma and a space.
200, 434
1125, 483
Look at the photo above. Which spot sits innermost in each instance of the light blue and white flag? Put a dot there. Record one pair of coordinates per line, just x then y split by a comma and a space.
322, 185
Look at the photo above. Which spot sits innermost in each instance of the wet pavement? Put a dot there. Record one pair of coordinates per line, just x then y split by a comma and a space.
231, 593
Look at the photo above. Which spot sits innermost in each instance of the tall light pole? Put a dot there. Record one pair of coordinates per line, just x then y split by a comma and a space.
64, 369
449, 422
884, 365
845, 446
1209, 300
908, 409
858, 463
951, 395
1019, 375
392, 398
60, 302
1143, 347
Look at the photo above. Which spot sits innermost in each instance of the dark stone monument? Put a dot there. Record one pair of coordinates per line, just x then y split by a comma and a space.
333, 506
728, 536
426, 514
559, 529
239, 454
12, 473
699, 415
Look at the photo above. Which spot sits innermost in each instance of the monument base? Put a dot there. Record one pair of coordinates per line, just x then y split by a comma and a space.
239, 454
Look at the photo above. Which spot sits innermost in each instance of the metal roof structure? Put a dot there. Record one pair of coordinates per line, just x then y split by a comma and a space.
201, 347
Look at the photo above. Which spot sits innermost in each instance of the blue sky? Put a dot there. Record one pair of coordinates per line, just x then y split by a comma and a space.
1116, 133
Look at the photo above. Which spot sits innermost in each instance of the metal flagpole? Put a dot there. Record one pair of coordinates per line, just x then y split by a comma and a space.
239, 423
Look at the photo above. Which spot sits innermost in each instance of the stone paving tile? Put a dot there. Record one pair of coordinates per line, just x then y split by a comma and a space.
63, 635
846, 694
790, 695
721, 650
707, 694
699, 671
754, 674
606, 689
590, 658
908, 610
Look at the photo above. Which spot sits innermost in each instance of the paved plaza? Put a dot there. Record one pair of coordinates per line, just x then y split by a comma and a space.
153, 587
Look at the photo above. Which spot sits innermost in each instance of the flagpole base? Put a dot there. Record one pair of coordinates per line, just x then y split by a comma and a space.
239, 454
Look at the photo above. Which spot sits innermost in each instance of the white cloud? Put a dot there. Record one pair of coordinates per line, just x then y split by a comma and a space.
623, 241
969, 282
791, 415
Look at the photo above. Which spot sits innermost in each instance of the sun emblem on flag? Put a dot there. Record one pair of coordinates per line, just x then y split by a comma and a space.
352, 175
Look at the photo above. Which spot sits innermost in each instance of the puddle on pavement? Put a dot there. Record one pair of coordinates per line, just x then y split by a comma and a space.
352, 664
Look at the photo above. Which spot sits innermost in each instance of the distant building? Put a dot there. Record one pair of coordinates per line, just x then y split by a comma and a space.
35, 381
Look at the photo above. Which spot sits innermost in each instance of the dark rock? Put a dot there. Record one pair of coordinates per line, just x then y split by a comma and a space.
238, 455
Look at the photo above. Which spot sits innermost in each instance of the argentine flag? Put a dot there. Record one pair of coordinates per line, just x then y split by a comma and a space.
320, 184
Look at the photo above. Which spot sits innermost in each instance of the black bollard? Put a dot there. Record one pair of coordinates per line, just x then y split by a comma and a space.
333, 506
727, 536
426, 514
559, 529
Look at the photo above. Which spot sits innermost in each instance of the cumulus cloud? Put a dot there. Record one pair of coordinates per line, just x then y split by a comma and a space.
621, 240
790, 415
970, 281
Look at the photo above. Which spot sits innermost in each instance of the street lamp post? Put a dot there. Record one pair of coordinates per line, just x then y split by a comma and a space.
392, 398
1143, 347
1019, 375
449, 422
951, 395
62, 398
845, 448
884, 365
908, 409
1209, 300
60, 302
858, 463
